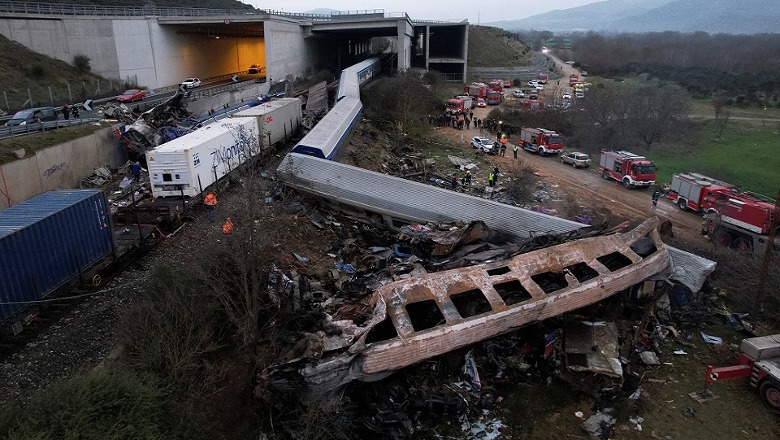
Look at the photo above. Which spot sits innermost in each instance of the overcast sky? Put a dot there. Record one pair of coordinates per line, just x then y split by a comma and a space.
479, 11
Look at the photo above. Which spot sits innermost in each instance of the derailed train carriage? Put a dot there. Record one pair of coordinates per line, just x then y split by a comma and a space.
57, 240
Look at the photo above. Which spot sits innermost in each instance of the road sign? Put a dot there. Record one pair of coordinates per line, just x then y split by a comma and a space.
87, 105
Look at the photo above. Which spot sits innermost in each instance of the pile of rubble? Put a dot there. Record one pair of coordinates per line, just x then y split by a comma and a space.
427, 327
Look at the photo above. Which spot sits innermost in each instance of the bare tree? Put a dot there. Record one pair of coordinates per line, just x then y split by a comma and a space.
722, 120
401, 104
722, 113
653, 112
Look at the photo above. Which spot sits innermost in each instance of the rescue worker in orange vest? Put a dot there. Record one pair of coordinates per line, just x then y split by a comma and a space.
210, 201
227, 227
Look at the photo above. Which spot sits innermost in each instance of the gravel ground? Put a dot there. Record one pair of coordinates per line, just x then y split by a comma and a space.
79, 340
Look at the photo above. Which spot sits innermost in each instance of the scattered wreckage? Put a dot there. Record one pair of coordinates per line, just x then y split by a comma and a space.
420, 317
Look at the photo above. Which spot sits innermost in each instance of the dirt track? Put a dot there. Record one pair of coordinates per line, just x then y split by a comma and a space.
589, 188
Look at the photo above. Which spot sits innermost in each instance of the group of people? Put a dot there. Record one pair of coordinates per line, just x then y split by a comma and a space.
457, 121
67, 109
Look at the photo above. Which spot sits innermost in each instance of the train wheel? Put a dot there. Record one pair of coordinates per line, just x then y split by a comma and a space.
722, 238
682, 204
770, 395
742, 245
96, 280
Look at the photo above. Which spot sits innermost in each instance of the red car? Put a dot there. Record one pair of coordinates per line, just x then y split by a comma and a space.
131, 95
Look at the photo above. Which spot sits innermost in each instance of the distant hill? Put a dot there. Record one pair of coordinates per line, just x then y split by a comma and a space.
711, 16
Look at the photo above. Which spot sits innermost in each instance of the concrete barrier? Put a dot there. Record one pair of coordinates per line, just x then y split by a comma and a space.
59, 167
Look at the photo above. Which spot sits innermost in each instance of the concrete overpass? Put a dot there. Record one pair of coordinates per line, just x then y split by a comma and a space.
155, 47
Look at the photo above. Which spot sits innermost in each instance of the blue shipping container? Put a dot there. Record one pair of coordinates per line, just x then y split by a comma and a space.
47, 241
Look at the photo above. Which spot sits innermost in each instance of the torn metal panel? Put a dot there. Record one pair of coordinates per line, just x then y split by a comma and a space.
593, 346
432, 314
438, 242
689, 269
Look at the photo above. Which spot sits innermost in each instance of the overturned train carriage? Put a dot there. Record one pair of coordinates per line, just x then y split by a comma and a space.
401, 202
415, 319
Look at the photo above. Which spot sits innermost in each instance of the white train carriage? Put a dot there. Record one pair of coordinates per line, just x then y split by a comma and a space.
400, 201
187, 165
333, 131
355, 76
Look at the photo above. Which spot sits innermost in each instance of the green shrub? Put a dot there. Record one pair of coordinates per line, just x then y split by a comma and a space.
97, 405
81, 63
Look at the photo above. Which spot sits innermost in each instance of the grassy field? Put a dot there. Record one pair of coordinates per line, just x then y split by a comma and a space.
494, 47
746, 155
38, 141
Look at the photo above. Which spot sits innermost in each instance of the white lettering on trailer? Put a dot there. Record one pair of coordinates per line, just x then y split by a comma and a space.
226, 154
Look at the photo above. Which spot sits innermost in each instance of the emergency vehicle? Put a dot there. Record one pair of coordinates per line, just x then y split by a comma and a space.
541, 141
632, 170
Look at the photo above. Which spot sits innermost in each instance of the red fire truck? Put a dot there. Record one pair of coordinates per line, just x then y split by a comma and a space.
542, 78
573, 78
530, 104
632, 170
539, 140
494, 97
733, 218
741, 221
459, 104
476, 90
690, 190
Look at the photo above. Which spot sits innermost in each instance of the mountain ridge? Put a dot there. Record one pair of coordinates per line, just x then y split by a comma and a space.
640, 16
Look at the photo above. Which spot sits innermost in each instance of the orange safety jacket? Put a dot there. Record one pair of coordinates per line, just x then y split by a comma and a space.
210, 199
227, 228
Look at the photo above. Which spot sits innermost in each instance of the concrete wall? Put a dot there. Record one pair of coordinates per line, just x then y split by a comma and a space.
136, 48
59, 167
288, 52
64, 38
135, 51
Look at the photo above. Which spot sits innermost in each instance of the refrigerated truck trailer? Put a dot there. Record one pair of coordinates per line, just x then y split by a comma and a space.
276, 119
189, 164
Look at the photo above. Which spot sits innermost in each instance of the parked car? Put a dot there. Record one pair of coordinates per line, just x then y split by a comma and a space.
484, 144
570, 62
576, 159
566, 95
517, 93
131, 95
584, 73
32, 116
539, 87
579, 94
481, 102
532, 83
190, 83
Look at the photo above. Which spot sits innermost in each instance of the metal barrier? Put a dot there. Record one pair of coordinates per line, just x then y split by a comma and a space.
21, 130
143, 11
